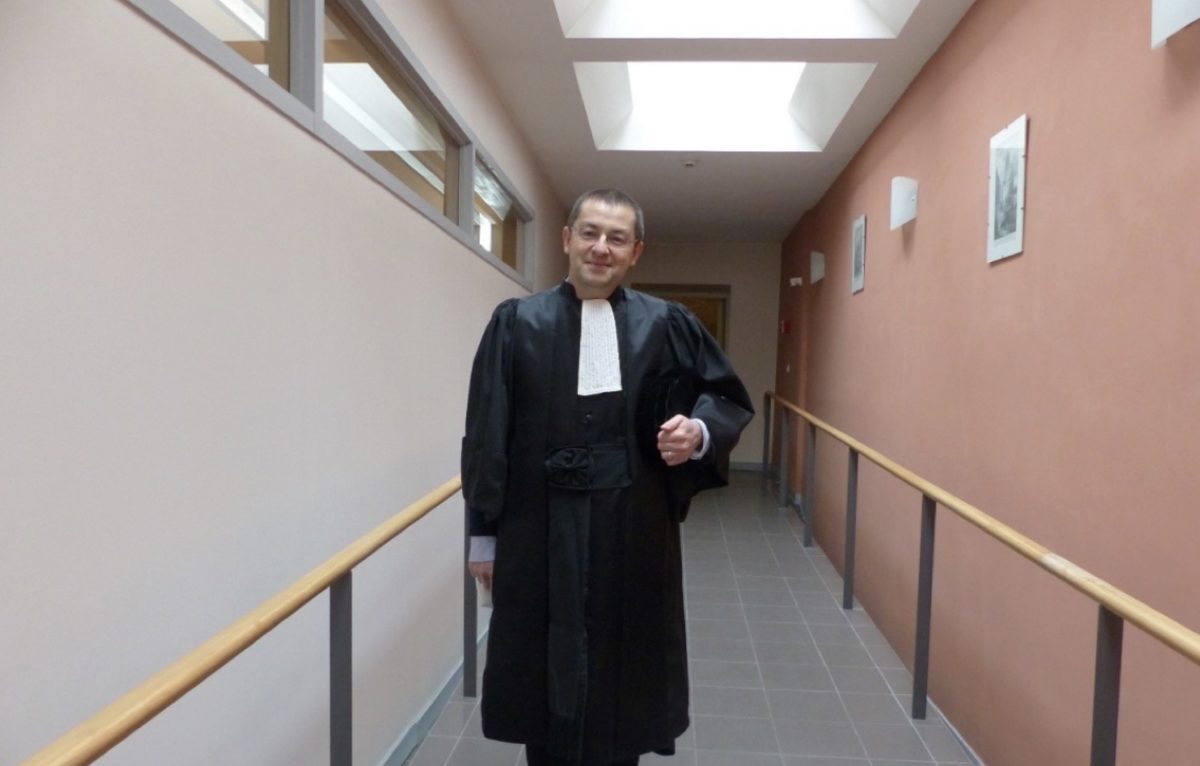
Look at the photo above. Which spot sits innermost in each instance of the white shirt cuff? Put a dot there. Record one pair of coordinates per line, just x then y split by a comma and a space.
703, 443
483, 549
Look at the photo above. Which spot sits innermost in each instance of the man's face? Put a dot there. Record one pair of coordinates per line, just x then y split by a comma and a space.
601, 247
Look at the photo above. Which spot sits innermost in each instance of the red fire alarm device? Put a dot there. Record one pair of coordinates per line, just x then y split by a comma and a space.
785, 327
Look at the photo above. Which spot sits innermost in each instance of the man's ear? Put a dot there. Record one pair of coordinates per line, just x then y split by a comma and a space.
637, 252
566, 240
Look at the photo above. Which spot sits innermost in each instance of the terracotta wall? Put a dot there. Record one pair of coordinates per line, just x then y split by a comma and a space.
1058, 390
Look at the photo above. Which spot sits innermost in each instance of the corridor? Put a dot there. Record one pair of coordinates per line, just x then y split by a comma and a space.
781, 675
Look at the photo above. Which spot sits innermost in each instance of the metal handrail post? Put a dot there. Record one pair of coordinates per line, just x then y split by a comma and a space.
767, 423
341, 672
470, 617
851, 531
1109, 640
924, 608
785, 458
810, 474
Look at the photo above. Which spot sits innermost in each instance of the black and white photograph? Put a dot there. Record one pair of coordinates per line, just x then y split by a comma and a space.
858, 276
1006, 192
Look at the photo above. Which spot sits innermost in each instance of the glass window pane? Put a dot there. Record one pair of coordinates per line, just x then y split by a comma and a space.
375, 107
256, 29
497, 221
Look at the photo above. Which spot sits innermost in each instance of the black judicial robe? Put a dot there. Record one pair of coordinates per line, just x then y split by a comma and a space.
523, 406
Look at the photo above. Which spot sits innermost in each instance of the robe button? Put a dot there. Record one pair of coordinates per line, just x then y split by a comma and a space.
587, 418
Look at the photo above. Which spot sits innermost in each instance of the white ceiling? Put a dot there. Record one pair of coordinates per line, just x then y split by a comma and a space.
727, 195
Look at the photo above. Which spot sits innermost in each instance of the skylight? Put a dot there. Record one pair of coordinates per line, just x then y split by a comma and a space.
717, 106
745, 19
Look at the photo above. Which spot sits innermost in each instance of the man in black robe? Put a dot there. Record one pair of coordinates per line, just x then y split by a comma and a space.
595, 414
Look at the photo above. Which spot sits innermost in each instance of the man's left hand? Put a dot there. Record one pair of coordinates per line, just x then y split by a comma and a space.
678, 439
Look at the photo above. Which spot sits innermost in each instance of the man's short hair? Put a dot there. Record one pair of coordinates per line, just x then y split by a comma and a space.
612, 198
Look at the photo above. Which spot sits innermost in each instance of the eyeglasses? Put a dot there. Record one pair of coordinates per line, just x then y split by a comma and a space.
617, 240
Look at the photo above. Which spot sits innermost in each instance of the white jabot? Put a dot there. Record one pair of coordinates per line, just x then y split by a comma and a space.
599, 359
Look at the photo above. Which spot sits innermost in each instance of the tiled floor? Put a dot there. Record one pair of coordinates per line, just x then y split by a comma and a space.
781, 675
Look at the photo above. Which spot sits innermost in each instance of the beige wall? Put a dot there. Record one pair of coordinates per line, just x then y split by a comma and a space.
1055, 390
751, 270
226, 353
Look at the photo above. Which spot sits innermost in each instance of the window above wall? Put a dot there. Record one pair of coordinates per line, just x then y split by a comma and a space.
339, 69
498, 221
257, 30
373, 105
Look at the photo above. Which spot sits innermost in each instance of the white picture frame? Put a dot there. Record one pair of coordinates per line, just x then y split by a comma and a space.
1006, 191
858, 252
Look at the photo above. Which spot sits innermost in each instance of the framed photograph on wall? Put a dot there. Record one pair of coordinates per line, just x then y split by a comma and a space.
1006, 191
858, 274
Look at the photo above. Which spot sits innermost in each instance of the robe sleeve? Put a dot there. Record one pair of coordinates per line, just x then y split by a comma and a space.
721, 401
489, 410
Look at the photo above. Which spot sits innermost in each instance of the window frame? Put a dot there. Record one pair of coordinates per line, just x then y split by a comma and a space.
302, 103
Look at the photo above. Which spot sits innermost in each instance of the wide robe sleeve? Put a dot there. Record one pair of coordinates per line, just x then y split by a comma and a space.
489, 411
717, 397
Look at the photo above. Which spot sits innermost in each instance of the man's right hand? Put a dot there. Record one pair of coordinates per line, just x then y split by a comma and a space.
482, 571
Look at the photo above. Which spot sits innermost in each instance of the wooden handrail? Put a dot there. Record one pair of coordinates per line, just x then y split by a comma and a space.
104, 730
1160, 626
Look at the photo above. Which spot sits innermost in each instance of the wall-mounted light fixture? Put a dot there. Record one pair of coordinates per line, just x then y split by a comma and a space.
816, 266
904, 201
1170, 16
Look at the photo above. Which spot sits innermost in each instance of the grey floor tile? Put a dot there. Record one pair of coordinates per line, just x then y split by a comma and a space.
717, 758
710, 567
884, 656
789, 705
734, 702
761, 582
797, 677
722, 673
874, 708
807, 584
484, 752
721, 649
941, 742
818, 738
723, 629
762, 613
768, 597
703, 611
835, 634
782, 632
816, 598
838, 655
899, 679
855, 679
817, 760
475, 725
870, 635
681, 758
712, 596
691, 580
895, 742
859, 617
687, 740
750, 735
434, 751
822, 615
756, 567
453, 719
794, 652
